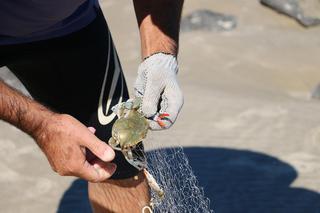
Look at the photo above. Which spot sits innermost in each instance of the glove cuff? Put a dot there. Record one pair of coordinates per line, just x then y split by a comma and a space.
165, 53
160, 60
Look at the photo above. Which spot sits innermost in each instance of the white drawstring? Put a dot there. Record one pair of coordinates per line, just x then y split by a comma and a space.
146, 208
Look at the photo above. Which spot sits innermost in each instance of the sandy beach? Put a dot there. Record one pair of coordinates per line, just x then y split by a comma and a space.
249, 124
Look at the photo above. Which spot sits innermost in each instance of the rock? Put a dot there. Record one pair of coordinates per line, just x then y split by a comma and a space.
208, 20
292, 9
315, 94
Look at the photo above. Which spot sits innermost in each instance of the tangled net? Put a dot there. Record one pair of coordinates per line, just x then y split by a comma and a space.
172, 171
171, 174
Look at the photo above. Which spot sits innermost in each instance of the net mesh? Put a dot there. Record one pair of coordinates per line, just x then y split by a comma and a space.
169, 166
172, 171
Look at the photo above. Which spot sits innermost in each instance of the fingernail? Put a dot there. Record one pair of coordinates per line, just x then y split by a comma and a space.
108, 155
111, 167
98, 170
92, 129
107, 171
96, 166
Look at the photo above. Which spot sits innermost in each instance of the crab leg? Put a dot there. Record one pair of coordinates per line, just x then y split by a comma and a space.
134, 161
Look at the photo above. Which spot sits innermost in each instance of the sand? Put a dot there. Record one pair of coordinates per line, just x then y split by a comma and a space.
250, 126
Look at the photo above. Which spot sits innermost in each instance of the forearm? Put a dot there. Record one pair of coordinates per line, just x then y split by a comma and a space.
159, 24
21, 111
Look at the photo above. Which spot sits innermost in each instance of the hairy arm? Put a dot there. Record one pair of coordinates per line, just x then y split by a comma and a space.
21, 111
62, 138
159, 24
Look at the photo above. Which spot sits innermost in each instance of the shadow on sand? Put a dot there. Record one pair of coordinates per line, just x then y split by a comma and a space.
236, 181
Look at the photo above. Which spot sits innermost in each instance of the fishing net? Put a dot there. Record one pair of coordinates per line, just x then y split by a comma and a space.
172, 171
171, 174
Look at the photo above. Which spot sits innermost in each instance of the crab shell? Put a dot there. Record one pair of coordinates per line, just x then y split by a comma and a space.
129, 130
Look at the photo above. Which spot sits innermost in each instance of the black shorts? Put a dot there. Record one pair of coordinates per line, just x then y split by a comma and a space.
78, 74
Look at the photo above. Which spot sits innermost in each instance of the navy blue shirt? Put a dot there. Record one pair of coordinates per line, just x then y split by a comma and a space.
32, 20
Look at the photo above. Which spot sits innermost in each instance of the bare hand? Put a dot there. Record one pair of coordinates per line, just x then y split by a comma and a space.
64, 140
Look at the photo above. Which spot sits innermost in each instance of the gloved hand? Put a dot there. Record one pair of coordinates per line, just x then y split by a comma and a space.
161, 95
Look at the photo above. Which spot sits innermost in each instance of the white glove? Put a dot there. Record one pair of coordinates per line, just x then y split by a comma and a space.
161, 95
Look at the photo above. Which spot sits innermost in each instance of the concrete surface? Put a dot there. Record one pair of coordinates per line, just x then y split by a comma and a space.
251, 128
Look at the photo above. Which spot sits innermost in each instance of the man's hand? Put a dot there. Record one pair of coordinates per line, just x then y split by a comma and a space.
61, 137
158, 86
64, 140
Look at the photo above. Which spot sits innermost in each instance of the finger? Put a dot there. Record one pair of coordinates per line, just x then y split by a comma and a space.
139, 87
104, 169
154, 125
108, 168
139, 83
88, 153
98, 147
158, 123
174, 98
92, 129
97, 172
170, 106
150, 101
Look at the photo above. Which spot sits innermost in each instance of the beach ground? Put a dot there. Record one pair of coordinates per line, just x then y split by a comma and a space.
248, 109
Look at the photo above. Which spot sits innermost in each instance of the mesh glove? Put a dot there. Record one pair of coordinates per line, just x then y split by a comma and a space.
158, 87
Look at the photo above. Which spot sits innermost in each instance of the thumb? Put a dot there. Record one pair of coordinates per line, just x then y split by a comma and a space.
99, 148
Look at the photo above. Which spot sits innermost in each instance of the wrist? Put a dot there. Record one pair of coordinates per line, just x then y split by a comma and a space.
153, 40
162, 47
167, 47
42, 124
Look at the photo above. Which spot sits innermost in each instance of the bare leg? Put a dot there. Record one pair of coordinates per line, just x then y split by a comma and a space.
119, 196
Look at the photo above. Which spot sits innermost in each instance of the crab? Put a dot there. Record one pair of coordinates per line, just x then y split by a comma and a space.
129, 131
127, 135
